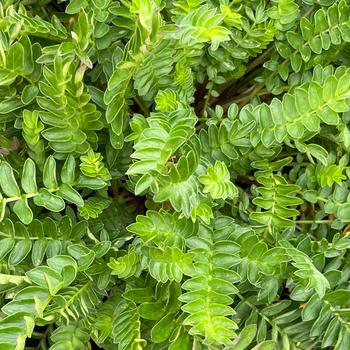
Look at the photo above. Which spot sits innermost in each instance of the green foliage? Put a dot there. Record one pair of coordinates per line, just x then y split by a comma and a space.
174, 174
71, 119
50, 196
78, 339
92, 166
93, 207
32, 128
207, 298
217, 182
202, 25
276, 196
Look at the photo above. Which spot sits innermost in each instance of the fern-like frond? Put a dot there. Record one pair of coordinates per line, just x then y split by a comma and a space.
202, 25
126, 331
126, 265
158, 142
217, 182
93, 207
51, 195
72, 121
168, 264
39, 240
71, 337
301, 112
208, 297
307, 271
163, 229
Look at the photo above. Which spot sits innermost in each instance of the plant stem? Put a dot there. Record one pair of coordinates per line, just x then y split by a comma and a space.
244, 99
142, 106
42, 343
207, 100
260, 59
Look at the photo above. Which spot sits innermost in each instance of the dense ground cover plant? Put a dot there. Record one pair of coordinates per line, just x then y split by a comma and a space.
174, 174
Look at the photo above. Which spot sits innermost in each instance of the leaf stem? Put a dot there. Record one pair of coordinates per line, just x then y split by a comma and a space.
315, 221
27, 196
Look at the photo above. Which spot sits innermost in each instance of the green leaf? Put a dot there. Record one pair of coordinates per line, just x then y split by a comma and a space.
318, 152
246, 336
49, 200
7, 76
174, 174
83, 255
10, 105
143, 183
68, 171
47, 277
20, 251
93, 207
7, 181
68, 193
15, 58
6, 246
66, 266
162, 330
49, 174
202, 25
343, 340
29, 93
39, 251
343, 212
28, 179
162, 228
23, 211
151, 311
265, 345
2, 209
307, 271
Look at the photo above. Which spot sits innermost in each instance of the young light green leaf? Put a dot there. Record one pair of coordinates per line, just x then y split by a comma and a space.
217, 182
